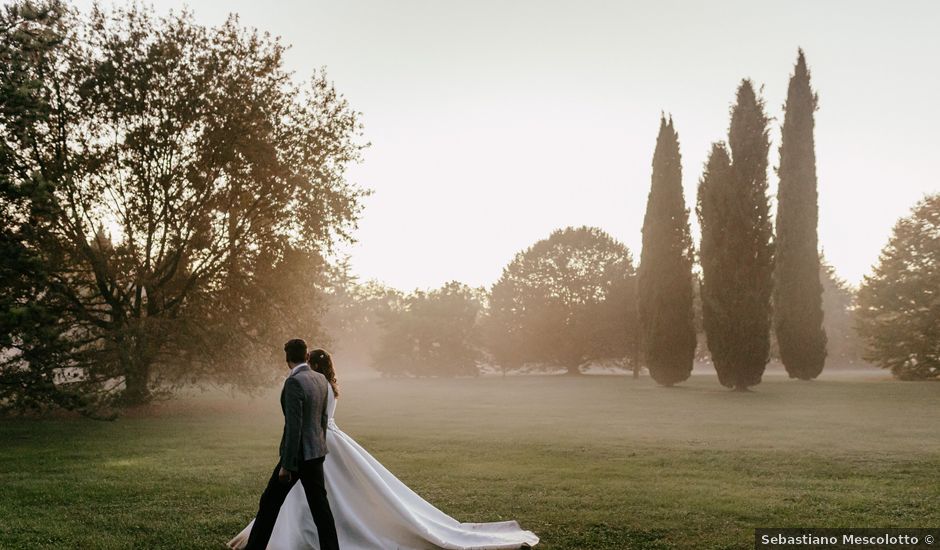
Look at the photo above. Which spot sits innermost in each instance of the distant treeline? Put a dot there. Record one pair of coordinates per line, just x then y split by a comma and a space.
458, 330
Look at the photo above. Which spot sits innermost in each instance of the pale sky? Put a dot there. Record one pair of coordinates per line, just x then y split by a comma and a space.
493, 123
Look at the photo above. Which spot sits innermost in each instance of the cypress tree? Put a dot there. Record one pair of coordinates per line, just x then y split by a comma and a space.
714, 192
665, 274
798, 311
737, 253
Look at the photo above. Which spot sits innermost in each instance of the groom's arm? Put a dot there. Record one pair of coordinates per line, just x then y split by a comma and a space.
293, 422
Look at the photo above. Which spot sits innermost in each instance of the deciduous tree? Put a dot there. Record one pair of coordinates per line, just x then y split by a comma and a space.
432, 333
219, 181
566, 301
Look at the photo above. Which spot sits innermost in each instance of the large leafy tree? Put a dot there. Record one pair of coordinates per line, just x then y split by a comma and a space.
168, 193
798, 308
736, 249
665, 288
566, 301
899, 303
432, 333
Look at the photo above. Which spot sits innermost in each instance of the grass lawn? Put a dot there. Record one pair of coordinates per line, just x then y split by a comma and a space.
594, 462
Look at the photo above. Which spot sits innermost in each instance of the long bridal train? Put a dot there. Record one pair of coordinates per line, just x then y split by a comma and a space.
374, 510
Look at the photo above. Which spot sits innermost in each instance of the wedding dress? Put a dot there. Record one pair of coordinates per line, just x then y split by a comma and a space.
373, 510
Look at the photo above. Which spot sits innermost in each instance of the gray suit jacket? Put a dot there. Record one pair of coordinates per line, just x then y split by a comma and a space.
303, 401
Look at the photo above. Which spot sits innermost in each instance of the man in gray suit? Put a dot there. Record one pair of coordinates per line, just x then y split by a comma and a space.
303, 449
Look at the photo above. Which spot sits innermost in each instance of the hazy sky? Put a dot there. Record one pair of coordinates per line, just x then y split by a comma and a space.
494, 122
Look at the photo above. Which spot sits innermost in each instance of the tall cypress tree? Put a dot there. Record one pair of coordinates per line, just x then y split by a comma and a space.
665, 274
714, 199
737, 252
798, 312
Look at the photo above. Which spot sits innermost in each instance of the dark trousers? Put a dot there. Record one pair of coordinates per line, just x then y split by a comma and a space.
311, 477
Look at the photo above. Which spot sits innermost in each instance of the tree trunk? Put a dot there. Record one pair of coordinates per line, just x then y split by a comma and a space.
637, 354
136, 384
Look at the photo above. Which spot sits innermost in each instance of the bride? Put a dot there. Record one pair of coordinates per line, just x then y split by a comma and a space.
373, 510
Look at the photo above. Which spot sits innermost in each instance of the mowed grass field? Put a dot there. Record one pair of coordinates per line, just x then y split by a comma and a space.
594, 462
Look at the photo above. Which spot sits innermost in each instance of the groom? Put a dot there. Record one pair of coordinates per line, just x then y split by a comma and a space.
303, 449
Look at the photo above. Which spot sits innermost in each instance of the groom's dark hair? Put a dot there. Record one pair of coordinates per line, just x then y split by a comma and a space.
296, 350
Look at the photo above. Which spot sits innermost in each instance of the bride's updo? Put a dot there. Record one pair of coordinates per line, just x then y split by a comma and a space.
321, 362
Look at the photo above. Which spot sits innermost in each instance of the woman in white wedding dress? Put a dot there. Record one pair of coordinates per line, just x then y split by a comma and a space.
373, 510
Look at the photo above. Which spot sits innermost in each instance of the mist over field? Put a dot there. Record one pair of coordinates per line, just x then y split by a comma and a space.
597, 462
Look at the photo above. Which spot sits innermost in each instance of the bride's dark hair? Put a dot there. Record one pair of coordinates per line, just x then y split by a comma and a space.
321, 362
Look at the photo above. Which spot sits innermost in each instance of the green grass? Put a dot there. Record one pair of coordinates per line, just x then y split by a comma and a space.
599, 462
